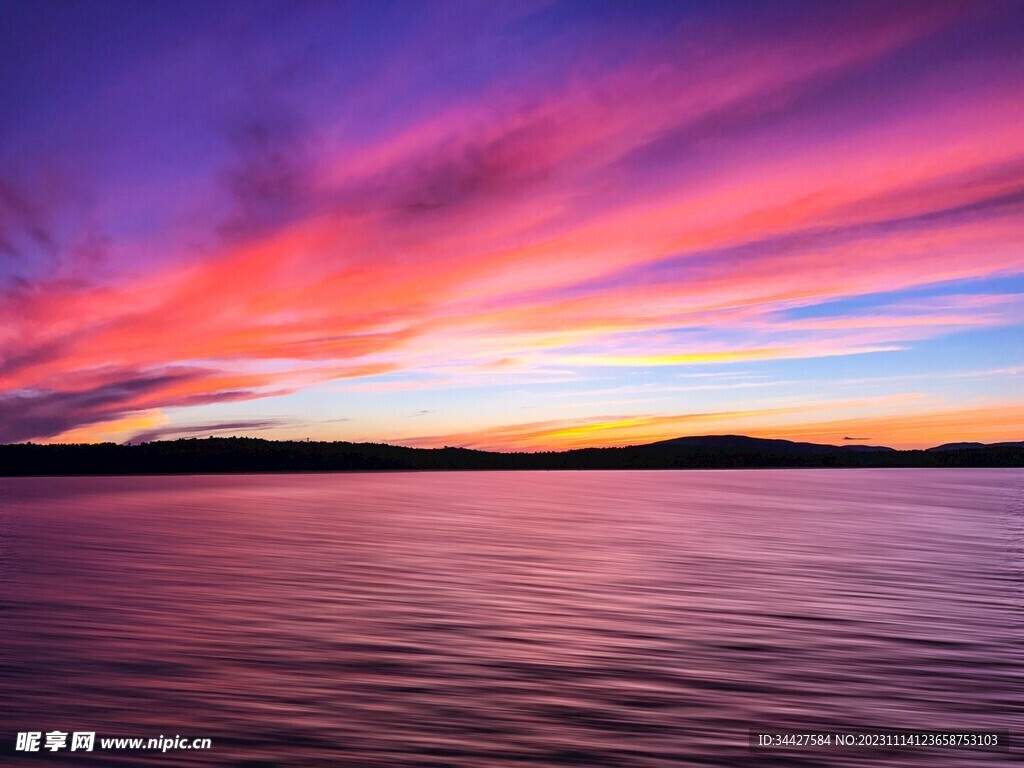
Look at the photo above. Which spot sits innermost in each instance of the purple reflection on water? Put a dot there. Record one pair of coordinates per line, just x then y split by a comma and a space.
507, 619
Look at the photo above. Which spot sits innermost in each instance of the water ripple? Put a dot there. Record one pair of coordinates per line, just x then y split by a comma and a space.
627, 619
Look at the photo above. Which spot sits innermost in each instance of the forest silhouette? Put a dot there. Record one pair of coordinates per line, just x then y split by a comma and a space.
246, 454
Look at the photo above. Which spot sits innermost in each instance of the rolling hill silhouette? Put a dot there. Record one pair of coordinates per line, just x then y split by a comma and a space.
973, 446
744, 443
246, 454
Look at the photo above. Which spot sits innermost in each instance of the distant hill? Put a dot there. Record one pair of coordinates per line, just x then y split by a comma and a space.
245, 454
744, 443
973, 446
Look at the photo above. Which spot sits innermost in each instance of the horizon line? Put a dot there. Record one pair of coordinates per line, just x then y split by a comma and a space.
860, 447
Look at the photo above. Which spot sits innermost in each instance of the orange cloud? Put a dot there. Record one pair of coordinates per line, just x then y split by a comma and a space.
987, 424
605, 430
115, 430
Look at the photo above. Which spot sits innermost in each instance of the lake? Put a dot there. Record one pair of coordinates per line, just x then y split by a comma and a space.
495, 619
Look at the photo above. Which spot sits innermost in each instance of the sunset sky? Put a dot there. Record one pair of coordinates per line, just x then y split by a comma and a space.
512, 225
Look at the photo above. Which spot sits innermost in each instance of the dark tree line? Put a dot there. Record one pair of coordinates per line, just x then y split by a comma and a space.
243, 454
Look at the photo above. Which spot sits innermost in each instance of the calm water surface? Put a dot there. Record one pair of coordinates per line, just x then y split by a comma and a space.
506, 619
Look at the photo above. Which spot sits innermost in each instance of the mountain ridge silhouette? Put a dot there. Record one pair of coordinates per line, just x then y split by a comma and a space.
248, 454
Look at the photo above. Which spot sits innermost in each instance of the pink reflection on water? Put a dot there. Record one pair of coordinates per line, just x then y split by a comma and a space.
487, 619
